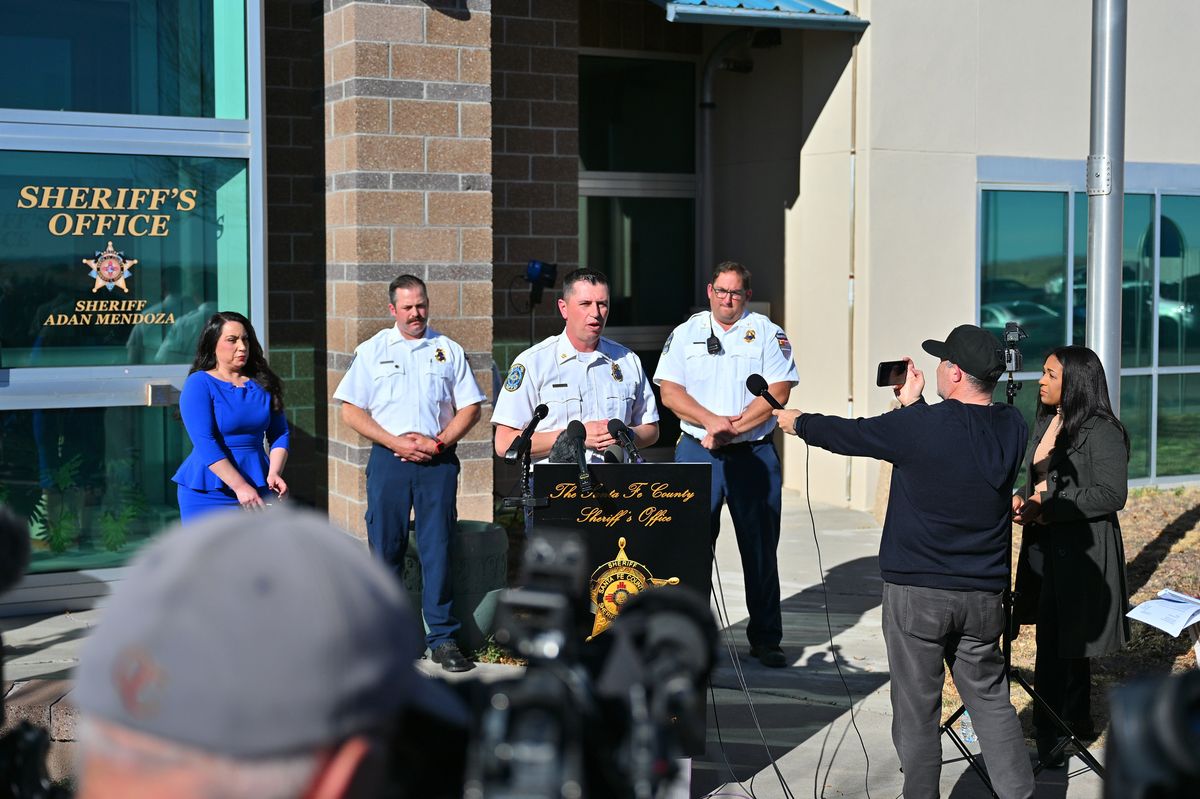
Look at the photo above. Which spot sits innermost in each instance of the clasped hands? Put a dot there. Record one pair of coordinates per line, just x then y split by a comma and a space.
720, 430
1027, 511
415, 447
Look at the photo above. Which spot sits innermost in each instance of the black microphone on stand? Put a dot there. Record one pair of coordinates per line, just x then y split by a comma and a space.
624, 437
521, 443
757, 386
577, 434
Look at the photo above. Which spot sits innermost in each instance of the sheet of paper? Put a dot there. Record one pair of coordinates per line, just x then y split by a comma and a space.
1169, 615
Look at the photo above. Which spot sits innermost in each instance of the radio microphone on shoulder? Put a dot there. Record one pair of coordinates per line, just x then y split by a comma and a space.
757, 386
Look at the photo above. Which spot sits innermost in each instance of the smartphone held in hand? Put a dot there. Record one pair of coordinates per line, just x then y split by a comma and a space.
891, 373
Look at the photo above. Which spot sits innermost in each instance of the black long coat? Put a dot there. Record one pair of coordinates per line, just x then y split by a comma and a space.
1080, 545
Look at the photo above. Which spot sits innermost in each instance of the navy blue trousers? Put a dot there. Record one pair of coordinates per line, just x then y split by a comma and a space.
395, 488
748, 477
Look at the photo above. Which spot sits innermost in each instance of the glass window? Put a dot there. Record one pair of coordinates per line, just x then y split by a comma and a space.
94, 483
1137, 278
184, 58
1135, 415
1179, 282
1178, 424
636, 115
645, 246
1023, 262
180, 251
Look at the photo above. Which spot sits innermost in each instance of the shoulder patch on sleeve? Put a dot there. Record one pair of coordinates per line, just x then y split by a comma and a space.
784, 344
515, 377
667, 346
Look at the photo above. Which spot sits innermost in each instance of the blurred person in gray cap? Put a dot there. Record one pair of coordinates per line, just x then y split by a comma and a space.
265, 663
945, 552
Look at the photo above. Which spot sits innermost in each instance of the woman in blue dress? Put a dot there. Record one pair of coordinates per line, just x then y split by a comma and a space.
230, 400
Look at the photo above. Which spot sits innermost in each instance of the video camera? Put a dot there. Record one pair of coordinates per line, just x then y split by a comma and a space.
609, 719
1013, 334
1154, 739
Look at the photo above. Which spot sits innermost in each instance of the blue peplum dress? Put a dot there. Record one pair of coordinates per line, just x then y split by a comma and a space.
224, 421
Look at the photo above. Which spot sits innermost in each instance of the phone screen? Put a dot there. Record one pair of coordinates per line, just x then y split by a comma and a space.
891, 373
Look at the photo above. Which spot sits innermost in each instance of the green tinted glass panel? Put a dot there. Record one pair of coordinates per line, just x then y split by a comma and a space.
645, 246
1178, 425
1179, 282
1023, 260
184, 58
636, 115
1137, 278
94, 483
1135, 415
180, 251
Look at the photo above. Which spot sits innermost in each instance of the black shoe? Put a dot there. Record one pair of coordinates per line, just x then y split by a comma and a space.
770, 656
1045, 744
450, 658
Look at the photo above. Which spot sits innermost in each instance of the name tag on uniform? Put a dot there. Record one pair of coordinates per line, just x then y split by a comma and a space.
558, 385
382, 362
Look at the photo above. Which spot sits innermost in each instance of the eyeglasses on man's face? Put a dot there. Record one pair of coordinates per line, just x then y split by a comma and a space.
737, 294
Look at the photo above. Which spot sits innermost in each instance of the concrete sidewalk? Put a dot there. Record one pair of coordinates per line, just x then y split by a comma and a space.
802, 711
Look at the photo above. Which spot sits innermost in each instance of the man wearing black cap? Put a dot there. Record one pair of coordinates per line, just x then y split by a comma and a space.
944, 555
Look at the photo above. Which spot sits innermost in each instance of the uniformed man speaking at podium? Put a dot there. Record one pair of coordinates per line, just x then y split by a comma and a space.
579, 376
702, 376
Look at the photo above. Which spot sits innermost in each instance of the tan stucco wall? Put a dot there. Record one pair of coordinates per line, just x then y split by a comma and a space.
938, 84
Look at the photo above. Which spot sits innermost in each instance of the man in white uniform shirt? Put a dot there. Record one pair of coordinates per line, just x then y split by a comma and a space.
410, 391
577, 375
702, 377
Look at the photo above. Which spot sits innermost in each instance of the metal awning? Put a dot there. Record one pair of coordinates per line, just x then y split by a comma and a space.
817, 14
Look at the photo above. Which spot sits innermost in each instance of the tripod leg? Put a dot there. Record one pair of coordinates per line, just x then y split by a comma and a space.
1080, 748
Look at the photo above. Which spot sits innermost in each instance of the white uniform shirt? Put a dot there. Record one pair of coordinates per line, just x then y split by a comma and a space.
753, 344
409, 387
609, 383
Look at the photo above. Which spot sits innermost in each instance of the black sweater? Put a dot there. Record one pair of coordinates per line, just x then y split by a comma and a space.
947, 523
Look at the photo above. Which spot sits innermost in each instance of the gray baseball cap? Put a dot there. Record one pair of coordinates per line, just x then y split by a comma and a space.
257, 635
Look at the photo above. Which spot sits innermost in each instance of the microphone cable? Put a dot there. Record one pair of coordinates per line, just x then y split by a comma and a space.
829, 627
731, 648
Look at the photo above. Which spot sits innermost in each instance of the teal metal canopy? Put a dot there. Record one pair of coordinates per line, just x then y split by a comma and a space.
764, 13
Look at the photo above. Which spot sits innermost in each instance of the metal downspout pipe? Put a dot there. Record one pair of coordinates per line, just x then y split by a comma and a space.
1106, 189
708, 107
851, 250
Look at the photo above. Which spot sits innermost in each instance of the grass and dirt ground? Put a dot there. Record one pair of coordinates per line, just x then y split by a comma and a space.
1161, 530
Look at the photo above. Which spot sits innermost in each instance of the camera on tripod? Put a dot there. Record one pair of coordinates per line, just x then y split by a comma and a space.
1013, 334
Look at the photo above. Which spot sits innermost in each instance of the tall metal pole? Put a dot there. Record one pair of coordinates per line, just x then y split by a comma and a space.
1106, 189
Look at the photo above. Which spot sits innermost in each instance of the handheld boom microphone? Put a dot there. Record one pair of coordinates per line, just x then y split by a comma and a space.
577, 433
624, 437
757, 386
521, 443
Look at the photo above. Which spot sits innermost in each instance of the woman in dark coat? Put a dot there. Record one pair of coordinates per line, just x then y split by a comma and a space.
1071, 570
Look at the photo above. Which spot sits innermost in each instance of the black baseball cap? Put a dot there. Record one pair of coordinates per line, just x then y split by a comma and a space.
972, 349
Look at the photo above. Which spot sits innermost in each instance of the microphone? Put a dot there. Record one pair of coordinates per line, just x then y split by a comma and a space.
624, 437
576, 434
614, 454
521, 443
757, 386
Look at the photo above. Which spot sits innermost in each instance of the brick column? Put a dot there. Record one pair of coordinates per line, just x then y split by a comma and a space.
408, 189
535, 79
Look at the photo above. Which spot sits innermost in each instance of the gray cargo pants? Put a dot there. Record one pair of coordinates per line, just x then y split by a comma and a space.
924, 628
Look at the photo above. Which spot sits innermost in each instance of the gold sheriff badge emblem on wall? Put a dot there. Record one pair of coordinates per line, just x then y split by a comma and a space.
614, 583
110, 268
